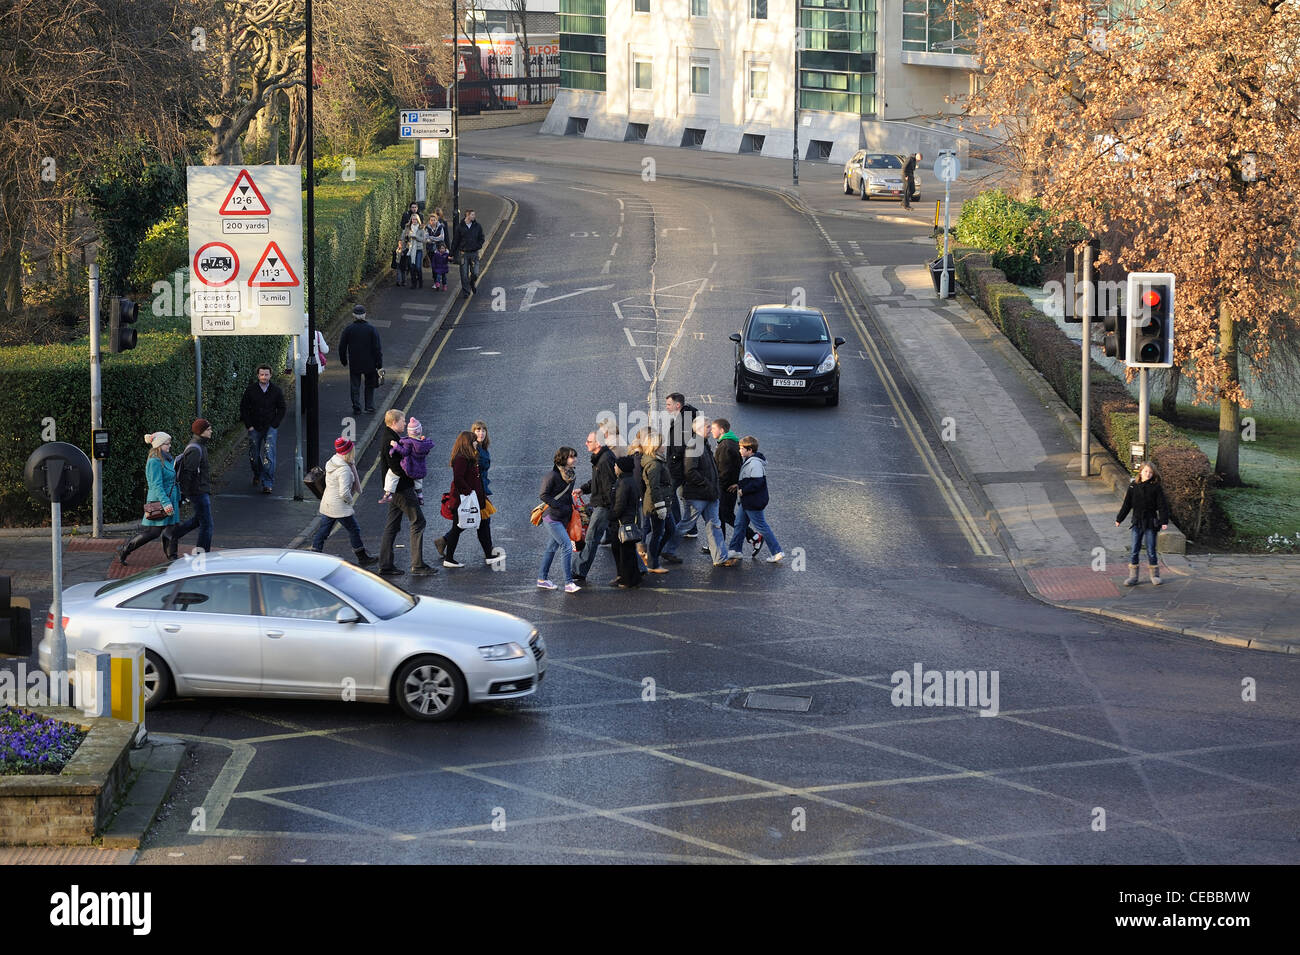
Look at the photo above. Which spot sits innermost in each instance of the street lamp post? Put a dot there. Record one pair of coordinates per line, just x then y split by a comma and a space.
455, 117
309, 436
796, 93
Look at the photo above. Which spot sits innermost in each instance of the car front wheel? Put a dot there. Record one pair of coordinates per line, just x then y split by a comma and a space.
863, 195
848, 186
157, 680
429, 688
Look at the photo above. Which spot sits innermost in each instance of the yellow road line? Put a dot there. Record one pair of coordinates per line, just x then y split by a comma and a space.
965, 520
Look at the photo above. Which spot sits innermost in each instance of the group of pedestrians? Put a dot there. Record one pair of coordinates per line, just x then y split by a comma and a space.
645, 499
438, 243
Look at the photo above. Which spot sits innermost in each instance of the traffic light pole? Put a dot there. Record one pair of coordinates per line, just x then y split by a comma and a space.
1089, 303
1144, 408
96, 418
309, 433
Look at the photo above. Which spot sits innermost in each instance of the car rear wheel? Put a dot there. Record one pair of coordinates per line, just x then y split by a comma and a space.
157, 680
429, 688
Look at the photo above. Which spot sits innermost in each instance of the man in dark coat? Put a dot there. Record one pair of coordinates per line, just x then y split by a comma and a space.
727, 457
469, 241
601, 500
261, 410
909, 179
404, 504
362, 354
701, 491
195, 479
681, 417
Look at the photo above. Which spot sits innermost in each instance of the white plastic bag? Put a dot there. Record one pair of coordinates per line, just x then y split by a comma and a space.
467, 515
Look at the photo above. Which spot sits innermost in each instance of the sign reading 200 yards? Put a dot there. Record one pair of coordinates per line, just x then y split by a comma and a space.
245, 250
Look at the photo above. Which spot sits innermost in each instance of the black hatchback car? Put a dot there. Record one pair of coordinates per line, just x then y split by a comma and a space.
787, 352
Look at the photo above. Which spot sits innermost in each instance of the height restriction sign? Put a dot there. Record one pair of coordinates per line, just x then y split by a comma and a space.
246, 240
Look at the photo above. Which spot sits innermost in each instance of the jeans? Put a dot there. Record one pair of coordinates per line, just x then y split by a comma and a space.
202, 519
595, 534
403, 505
416, 268
354, 379
261, 456
708, 510
1135, 552
327, 524
559, 541
468, 270
661, 529
756, 518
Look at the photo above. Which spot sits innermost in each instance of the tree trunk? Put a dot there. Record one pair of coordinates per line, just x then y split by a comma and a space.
13, 228
1225, 462
1169, 402
298, 126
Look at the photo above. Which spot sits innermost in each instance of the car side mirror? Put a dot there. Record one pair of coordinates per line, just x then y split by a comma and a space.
735, 337
838, 341
348, 615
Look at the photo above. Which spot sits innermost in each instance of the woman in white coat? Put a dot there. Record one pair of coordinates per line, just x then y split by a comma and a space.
342, 485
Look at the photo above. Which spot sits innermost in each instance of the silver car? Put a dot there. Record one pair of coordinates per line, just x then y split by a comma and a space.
302, 625
878, 174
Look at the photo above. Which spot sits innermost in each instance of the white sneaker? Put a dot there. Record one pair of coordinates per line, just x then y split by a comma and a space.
451, 563
776, 558
570, 587
734, 553
490, 561
546, 584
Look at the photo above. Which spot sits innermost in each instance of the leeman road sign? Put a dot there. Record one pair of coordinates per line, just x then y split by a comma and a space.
246, 241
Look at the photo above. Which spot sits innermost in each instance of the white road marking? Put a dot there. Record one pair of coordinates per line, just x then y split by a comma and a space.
645, 372
380, 322
614, 249
421, 306
619, 235
470, 348
489, 353
604, 269
630, 340
546, 301
416, 318
594, 192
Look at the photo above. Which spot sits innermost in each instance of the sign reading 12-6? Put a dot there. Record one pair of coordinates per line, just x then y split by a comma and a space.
245, 250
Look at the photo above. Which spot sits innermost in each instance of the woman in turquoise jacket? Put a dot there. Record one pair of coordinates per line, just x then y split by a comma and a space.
160, 472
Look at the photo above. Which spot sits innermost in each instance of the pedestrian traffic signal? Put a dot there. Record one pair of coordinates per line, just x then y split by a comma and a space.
122, 315
1115, 340
1150, 309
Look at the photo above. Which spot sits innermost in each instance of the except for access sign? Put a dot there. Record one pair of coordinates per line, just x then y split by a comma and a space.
246, 242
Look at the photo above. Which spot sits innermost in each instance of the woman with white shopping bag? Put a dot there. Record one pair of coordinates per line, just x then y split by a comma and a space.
464, 501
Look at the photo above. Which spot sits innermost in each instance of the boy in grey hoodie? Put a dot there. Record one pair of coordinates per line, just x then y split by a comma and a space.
751, 489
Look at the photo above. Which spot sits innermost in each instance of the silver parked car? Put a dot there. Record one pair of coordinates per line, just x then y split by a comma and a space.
878, 174
302, 625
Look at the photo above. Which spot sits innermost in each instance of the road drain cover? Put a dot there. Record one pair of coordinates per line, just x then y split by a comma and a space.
774, 701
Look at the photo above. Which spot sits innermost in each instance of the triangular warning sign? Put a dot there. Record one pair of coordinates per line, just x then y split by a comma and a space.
244, 198
272, 270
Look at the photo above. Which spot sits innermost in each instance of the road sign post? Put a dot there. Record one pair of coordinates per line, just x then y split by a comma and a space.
947, 167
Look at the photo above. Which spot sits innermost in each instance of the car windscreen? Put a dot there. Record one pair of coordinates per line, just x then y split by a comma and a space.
883, 162
374, 593
133, 579
807, 329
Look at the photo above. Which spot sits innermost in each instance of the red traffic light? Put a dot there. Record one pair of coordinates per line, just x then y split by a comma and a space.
1151, 298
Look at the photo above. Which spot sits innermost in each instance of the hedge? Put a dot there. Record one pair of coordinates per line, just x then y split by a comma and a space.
152, 386
1185, 471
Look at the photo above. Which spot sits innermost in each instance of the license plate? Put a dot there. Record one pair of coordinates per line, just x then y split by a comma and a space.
789, 383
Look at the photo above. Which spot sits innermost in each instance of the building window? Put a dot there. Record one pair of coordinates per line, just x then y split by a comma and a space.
837, 62
642, 75
699, 80
758, 82
930, 27
758, 9
641, 6
699, 8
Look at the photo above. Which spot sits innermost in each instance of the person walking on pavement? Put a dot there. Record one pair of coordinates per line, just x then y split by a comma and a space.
752, 488
194, 478
625, 516
557, 495
1146, 499
465, 479
415, 237
909, 179
701, 493
261, 410
160, 474
727, 457
601, 499
362, 354
469, 241
403, 504
342, 485
412, 210
481, 441
680, 424
658, 492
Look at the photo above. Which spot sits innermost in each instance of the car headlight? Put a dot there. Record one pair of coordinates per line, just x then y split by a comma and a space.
752, 363
827, 364
502, 651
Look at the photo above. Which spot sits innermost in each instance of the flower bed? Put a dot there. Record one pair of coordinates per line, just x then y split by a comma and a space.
33, 745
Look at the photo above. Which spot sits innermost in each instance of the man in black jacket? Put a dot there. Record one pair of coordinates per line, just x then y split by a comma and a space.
194, 478
403, 505
261, 410
362, 354
681, 417
601, 500
701, 492
727, 457
469, 241
909, 179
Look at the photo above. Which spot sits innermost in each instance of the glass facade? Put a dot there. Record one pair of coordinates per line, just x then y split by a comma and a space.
929, 26
837, 63
582, 44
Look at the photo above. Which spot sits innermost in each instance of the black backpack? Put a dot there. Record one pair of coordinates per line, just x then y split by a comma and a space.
315, 481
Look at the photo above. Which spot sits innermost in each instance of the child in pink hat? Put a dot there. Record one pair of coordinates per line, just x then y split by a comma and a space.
414, 451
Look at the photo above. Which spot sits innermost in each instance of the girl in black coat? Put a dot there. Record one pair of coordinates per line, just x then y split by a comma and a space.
557, 495
626, 510
1146, 499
